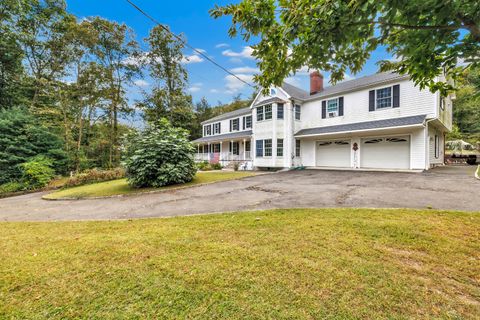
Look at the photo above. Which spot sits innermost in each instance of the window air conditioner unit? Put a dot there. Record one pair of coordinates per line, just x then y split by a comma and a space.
332, 114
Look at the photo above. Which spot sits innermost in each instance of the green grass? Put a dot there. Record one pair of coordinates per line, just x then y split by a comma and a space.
279, 264
121, 187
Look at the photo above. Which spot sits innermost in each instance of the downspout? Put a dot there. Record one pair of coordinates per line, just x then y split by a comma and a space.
292, 132
427, 142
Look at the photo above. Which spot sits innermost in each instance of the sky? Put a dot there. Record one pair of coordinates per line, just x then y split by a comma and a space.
191, 18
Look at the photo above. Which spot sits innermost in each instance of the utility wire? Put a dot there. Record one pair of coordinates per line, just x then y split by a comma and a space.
187, 45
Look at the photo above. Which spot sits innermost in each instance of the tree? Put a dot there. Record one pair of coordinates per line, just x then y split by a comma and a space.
160, 155
116, 51
23, 139
466, 108
427, 36
168, 98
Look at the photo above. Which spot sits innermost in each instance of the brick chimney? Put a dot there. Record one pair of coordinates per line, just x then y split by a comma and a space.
316, 82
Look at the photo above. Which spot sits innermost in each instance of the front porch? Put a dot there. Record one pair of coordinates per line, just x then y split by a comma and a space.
226, 153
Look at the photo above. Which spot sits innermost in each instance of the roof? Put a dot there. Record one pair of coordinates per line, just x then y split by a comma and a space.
270, 100
345, 86
295, 92
377, 124
227, 136
231, 114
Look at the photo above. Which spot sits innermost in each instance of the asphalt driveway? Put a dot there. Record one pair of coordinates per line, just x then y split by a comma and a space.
451, 188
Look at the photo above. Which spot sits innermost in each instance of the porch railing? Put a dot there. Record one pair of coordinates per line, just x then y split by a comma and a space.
223, 156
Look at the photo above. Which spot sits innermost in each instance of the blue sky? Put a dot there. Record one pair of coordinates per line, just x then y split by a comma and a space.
191, 18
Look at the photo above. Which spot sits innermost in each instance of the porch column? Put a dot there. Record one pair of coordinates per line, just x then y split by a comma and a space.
220, 156
244, 150
230, 150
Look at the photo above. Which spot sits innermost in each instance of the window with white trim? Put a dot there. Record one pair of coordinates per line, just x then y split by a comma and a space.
297, 112
216, 128
332, 108
279, 147
268, 147
268, 112
279, 110
207, 130
216, 148
383, 98
247, 122
259, 148
235, 124
260, 113
297, 148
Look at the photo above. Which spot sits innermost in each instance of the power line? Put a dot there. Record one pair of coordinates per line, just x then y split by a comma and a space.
186, 44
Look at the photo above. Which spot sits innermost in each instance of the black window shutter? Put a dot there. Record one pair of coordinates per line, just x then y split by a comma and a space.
396, 96
340, 106
371, 101
244, 120
324, 109
230, 125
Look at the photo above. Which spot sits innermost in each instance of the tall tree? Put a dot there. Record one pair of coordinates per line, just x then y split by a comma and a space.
466, 108
116, 51
168, 98
427, 36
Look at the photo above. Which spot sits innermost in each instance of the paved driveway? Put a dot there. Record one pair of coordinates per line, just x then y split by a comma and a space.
452, 188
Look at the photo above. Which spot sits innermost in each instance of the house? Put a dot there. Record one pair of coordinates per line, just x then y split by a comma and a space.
382, 121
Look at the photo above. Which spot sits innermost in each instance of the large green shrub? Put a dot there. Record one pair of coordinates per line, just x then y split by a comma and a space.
94, 175
160, 155
37, 172
21, 138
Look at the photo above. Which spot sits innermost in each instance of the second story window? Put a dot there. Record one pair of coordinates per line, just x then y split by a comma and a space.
384, 98
280, 111
268, 112
247, 122
297, 112
216, 128
207, 130
260, 113
332, 108
235, 124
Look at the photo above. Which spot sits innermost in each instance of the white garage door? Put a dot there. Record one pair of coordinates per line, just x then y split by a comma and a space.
335, 153
385, 153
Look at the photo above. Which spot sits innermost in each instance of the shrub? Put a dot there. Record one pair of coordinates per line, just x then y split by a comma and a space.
204, 166
11, 187
216, 166
160, 155
37, 172
94, 175
236, 165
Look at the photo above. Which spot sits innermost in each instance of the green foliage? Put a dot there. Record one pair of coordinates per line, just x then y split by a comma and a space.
428, 37
10, 187
206, 166
236, 165
466, 108
93, 176
161, 155
21, 138
37, 172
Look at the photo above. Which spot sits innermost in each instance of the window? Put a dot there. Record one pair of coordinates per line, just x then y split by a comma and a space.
384, 98
297, 112
260, 113
268, 147
259, 150
268, 112
247, 146
280, 111
247, 122
234, 148
216, 128
332, 108
442, 102
279, 147
273, 92
373, 141
207, 130
297, 148
437, 146
216, 148
235, 124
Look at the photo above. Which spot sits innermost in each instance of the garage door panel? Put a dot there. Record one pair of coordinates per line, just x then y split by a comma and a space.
335, 153
385, 152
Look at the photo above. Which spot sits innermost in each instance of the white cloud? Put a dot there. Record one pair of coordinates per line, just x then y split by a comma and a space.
141, 83
214, 91
236, 60
194, 89
194, 58
234, 85
245, 53
245, 70
222, 45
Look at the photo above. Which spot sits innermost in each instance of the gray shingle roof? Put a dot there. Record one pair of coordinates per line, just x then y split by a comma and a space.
270, 100
346, 86
231, 114
226, 136
377, 124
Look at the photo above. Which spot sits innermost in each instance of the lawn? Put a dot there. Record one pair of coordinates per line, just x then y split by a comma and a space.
279, 264
121, 187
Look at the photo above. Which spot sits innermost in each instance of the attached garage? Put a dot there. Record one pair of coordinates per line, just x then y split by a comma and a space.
385, 152
333, 153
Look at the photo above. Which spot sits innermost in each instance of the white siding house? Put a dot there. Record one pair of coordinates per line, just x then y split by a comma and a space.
382, 121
